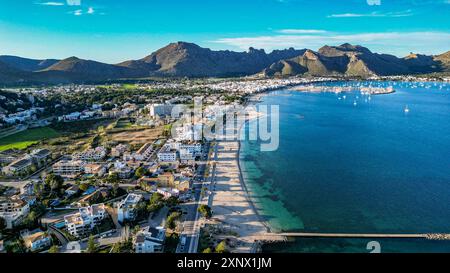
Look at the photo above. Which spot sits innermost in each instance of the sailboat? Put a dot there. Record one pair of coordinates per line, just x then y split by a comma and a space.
406, 109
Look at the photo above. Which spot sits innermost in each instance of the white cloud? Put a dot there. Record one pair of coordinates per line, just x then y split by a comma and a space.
74, 2
301, 31
51, 4
90, 10
373, 14
397, 43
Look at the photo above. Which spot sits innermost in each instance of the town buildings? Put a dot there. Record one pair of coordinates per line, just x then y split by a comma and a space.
36, 240
126, 209
80, 224
90, 154
167, 154
150, 240
13, 210
68, 168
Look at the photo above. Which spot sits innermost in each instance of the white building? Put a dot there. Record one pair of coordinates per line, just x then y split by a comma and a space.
122, 170
40, 155
189, 151
126, 209
160, 109
95, 169
81, 223
68, 167
150, 240
167, 154
144, 152
13, 210
91, 154
119, 150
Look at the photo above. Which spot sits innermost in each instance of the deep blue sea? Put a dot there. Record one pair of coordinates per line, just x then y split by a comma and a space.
353, 163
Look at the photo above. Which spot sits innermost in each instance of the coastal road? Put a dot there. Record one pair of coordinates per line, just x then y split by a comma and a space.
191, 226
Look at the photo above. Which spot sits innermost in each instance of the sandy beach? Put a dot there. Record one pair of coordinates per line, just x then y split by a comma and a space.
230, 201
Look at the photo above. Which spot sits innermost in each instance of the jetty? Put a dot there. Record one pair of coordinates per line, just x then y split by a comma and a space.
271, 237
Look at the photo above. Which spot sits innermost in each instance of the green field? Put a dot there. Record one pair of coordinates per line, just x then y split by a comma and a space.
26, 138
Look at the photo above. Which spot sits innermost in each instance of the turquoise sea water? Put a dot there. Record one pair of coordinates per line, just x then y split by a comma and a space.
356, 165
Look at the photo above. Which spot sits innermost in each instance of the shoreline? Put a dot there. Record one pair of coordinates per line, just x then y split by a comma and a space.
244, 184
234, 208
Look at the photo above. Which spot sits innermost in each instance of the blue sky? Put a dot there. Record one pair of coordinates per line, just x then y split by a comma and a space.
117, 30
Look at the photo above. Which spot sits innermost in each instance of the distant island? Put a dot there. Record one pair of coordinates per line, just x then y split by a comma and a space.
182, 59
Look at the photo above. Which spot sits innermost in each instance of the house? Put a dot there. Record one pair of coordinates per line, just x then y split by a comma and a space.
97, 169
28, 188
150, 240
168, 192
13, 210
72, 116
68, 168
126, 209
81, 223
122, 170
147, 184
169, 180
72, 190
36, 240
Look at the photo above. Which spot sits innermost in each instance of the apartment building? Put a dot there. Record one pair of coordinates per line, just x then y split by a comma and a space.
80, 224
119, 150
90, 154
19, 166
68, 168
126, 209
167, 154
13, 210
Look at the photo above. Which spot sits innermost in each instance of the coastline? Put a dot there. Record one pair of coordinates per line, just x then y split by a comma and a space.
244, 184
234, 208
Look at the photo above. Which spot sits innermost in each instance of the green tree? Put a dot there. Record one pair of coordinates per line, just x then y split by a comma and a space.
92, 246
55, 182
172, 201
156, 198
171, 220
221, 247
84, 186
31, 219
207, 250
205, 210
115, 189
140, 172
37, 189
113, 178
53, 249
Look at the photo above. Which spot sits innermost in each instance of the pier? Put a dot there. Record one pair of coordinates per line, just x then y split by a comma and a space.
271, 237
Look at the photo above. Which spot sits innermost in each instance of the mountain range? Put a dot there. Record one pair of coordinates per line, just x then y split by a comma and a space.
184, 59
